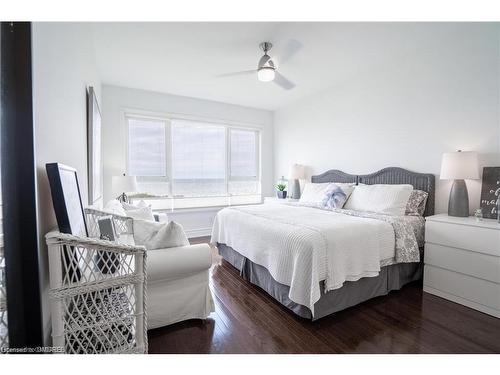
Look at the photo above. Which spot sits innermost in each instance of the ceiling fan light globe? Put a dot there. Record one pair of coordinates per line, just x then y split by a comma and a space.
265, 74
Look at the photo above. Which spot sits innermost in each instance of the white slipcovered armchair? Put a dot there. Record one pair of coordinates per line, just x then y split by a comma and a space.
177, 277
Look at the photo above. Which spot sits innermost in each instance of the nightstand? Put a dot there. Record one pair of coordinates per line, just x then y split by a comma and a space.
462, 261
278, 200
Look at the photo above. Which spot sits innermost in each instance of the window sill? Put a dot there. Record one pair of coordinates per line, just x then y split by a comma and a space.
200, 209
169, 204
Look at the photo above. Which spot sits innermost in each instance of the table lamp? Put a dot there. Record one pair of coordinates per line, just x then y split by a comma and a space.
458, 166
297, 172
122, 185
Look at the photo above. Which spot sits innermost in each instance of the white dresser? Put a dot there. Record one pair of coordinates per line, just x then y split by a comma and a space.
462, 261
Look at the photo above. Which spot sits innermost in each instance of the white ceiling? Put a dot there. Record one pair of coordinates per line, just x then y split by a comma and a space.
186, 58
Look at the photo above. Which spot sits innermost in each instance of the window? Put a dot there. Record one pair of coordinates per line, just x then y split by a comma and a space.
147, 154
193, 163
243, 176
198, 159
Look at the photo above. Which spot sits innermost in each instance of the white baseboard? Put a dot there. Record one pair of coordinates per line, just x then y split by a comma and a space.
462, 301
200, 232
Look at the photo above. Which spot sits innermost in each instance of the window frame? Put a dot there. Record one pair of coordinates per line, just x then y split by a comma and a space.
180, 196
167, 146
167, 119
257, 156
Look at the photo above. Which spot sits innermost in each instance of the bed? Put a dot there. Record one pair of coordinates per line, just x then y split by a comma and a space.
315, 261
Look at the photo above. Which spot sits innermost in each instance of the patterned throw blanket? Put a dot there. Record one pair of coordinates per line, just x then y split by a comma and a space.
408, 231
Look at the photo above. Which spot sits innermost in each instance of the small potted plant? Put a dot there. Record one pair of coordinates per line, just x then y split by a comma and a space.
281, 192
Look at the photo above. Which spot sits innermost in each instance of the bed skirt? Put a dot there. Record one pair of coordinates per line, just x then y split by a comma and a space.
391, 277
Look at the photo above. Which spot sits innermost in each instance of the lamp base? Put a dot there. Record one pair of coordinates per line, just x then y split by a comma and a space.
458, 204
296, 189
123, 198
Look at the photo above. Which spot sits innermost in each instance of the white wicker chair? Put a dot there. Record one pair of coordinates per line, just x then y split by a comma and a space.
177, 277
98, 293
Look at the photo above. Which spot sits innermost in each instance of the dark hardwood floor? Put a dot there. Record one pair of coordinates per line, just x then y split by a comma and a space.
248, 320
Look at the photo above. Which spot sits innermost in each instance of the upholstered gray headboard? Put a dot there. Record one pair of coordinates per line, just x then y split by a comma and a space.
392, 175
334, 175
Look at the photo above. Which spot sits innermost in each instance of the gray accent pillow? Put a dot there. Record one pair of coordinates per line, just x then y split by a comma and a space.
416, 203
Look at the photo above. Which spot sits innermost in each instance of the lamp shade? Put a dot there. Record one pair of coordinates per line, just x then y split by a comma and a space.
297, 172
459, 165
124, 184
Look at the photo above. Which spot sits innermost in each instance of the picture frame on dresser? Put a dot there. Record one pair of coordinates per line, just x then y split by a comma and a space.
490, 193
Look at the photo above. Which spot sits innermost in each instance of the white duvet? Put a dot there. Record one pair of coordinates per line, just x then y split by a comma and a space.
301, 246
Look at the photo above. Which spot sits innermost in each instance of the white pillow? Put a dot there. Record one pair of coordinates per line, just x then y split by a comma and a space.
314, 193
128, 206
383, 199
154, 235
143, 213
115, 207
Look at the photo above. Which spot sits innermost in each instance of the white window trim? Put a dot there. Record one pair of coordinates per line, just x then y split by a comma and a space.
182, 116
227, 124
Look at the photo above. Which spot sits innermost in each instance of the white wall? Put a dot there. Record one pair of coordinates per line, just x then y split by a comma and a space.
404, 113
63, 68
116, 100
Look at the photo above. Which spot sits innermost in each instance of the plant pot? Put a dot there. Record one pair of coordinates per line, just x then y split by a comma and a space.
281, 194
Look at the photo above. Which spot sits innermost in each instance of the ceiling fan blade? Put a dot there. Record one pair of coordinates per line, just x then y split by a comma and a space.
283, 82
241, 73
292, 47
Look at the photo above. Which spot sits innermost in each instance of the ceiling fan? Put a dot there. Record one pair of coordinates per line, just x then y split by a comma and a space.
267, 67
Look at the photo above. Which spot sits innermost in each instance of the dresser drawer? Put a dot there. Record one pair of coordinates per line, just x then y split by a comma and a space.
484, 240
470, 263
467, 287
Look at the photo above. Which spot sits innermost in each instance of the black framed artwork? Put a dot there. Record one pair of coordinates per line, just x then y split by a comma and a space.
66, 199
94, 160
490, 192
68, 207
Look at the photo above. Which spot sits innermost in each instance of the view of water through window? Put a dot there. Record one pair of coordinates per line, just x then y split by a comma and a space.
190, 158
